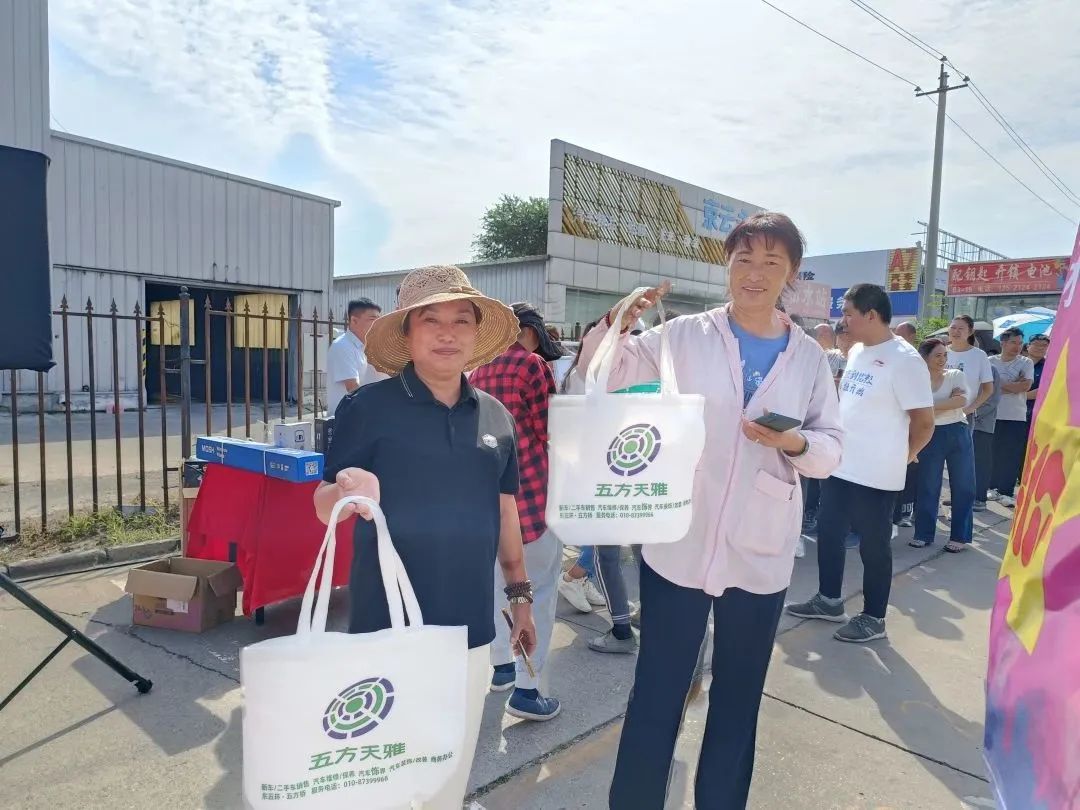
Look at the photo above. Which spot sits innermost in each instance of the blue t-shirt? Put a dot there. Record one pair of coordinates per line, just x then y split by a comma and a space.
758, 355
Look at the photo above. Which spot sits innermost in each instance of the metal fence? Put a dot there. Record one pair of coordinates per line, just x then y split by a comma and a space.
278, 386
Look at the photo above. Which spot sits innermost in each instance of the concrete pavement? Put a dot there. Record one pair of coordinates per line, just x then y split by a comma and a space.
890, 725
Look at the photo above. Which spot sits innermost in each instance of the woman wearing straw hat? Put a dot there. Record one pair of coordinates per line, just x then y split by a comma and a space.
441, 459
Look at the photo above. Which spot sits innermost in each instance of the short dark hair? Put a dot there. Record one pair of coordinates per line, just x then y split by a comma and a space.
871, 298
360, 305
1042, 337
1010, 333
928, 346
773, 227
970, 324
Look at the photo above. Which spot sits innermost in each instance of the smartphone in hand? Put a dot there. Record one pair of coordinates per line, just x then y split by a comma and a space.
777, 422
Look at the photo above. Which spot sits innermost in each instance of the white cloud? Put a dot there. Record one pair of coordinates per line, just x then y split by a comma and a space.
733, 97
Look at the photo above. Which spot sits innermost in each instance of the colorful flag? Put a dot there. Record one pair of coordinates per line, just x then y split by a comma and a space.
1033, 679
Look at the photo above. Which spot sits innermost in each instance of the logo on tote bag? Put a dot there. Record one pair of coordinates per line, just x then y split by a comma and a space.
358, 709
634, 449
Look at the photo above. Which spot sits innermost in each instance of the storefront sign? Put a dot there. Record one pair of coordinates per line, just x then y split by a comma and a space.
1007, 277
809, 299
902, 274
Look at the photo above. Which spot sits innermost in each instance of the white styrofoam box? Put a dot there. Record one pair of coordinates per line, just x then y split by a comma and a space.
607, 278
294, 435
585, 275
608, 254
561, 270
561, 245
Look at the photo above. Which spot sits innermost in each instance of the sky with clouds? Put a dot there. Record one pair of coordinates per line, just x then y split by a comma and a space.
417, 114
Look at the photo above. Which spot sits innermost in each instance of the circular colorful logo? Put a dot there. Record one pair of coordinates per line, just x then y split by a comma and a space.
634, 449
358, 709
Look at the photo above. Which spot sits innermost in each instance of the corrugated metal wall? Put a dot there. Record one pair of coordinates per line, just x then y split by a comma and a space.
114, 209
509, 281
24, 74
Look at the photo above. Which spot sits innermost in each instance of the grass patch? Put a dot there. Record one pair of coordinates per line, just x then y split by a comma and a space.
88, 530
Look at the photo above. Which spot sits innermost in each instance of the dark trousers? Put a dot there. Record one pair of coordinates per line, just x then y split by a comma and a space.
673, 622
811, 494
867, 512
949, 446
905, 501
1010, 441
984, 463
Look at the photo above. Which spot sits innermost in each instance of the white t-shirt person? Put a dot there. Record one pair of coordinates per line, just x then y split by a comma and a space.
345, 361
976, 367
954, 379
1013, 407
880, 385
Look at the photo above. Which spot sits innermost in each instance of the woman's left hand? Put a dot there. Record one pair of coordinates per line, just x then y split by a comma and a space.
790, 441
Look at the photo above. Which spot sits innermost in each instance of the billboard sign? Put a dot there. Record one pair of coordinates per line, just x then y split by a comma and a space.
1007, 277
902, 274
809, 299
609, 201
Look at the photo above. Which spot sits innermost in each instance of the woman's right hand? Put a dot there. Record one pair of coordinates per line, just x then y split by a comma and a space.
642, 305
355, 481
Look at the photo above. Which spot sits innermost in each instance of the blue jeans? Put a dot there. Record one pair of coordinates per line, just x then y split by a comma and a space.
950, 446
587, 560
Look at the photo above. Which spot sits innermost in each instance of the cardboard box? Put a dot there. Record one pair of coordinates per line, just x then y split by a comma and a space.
244, 455
295, 435
193, 472
180, 593
294, 465
324, 434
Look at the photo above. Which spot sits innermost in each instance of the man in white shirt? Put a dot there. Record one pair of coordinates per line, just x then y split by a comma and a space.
346, 364
887, 412
1010, 432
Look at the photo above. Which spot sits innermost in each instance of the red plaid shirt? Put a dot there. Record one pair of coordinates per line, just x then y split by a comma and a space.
523, 382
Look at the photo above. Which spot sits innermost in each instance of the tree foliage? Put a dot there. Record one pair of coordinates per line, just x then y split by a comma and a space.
512, 227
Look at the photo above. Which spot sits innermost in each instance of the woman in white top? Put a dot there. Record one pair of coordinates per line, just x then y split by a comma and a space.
950, 445
964, 355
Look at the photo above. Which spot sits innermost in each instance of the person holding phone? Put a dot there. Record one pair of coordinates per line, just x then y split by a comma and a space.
747, 359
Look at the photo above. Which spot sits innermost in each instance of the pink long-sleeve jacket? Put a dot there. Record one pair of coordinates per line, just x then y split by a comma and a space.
747, 498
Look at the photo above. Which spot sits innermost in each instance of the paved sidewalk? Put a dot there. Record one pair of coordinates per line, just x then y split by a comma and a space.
893, 725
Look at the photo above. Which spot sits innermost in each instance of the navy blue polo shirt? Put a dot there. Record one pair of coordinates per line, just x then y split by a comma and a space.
441, 471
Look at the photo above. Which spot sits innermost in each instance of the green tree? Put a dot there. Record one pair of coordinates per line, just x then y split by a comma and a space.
512, 227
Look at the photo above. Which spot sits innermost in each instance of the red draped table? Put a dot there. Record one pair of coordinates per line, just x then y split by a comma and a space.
268, 527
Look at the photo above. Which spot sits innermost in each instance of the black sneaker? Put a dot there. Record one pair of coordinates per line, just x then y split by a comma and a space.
861, 629
818, 608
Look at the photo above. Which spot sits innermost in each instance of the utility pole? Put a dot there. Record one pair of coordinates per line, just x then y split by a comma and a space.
929, 280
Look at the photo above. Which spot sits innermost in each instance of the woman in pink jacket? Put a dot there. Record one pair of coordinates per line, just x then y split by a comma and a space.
745, 358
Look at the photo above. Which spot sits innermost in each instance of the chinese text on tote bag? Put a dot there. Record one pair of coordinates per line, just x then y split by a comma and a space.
372, 720
622, 465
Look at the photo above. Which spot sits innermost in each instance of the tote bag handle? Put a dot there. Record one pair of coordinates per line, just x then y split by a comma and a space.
596, 378
395, 579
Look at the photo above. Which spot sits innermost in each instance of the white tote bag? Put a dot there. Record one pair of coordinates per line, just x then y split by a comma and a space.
338, 720
622, 465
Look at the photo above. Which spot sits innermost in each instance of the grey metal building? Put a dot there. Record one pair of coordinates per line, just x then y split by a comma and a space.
131, 228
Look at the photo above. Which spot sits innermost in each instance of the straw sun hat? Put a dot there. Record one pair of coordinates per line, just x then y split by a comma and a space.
385, 346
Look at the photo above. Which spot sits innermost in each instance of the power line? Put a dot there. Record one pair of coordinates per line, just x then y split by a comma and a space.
1004, 168
993, 111
926, 48
840, 45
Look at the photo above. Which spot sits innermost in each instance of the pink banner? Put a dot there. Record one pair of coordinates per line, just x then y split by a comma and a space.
1033, 679
809, 299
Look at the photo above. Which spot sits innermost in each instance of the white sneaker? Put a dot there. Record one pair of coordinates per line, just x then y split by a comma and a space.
895, 531
573, 591
1006, 501
992, 495
592, 593
800, 548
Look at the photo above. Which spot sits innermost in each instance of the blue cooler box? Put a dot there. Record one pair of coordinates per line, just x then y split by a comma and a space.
293, 465
243, 455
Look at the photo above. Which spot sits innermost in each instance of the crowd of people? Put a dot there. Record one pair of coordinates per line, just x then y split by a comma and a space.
454, 446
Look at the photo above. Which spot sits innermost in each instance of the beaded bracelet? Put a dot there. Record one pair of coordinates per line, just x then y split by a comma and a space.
519, 591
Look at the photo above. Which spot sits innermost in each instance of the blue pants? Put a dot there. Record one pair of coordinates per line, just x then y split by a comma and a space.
673, 623
950, 446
